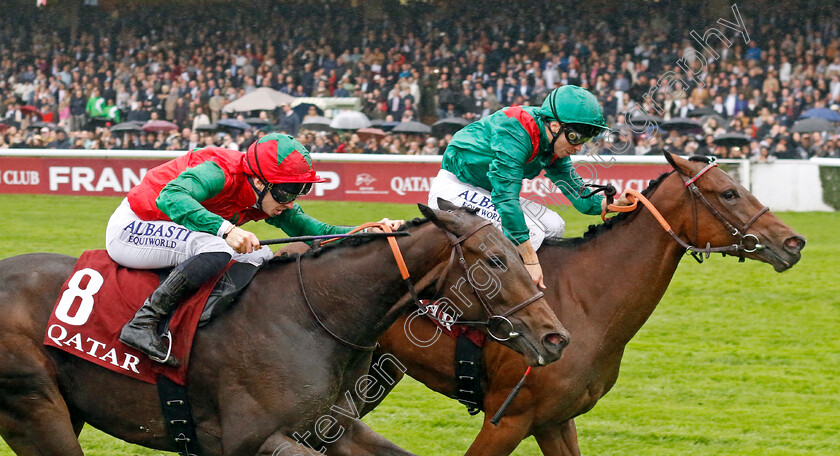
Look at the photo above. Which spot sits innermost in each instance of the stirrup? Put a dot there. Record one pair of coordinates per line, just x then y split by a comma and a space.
168, 335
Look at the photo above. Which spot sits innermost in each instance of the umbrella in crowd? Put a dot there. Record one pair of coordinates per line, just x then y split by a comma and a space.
303, 109
681, 124
101, 122
350, 120
821, 113
257, 122
448, 126
3, 128
700, 112
367, 133
316, 123
645, 119
154, 126
28, 109
261, 99
812, 125
732, 140
39, 125
718, 118
9, 123
384, 125
233, 123
412, 127
207, 127
127, 127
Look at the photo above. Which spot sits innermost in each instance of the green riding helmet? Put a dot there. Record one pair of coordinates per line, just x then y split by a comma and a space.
571, 104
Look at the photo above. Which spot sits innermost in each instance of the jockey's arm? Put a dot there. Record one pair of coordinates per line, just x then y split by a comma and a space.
181, 198
294, 222
505, 175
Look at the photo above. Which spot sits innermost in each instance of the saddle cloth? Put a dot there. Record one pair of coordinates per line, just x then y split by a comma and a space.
100, 297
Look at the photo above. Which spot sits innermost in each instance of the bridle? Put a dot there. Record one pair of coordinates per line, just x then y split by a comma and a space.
456, 251
738, 231
455, 243
747, 242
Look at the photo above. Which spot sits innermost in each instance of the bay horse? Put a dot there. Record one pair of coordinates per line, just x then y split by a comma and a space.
601, 319
268, 377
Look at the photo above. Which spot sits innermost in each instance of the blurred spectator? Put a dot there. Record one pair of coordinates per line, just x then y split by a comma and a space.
415, 63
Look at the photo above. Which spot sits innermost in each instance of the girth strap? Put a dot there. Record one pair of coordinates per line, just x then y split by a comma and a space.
177, 416
469, 389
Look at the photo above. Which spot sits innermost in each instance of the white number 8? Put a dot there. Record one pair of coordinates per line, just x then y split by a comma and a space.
86, 295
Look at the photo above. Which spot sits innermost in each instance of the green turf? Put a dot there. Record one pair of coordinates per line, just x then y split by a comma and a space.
737, 360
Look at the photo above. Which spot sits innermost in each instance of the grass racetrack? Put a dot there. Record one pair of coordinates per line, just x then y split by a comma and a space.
737, 359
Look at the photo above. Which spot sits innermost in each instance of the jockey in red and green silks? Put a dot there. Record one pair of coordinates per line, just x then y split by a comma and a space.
486, 161
187, 213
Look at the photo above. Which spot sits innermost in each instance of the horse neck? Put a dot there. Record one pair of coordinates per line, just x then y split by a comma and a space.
612, 283
362, 284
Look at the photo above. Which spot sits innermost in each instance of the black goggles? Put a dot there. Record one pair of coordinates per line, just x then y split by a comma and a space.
286, 193
577, 134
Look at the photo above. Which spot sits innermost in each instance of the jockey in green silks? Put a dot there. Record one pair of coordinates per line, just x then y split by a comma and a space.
484, 165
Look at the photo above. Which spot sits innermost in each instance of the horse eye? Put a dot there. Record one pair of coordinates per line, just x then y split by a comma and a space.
730, 194
496, 262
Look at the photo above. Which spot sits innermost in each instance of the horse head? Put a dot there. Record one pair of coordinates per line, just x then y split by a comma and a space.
485, 284
725, 217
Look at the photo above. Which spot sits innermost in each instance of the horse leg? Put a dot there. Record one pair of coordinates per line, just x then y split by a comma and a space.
500, 440
34, 419
279, 444
360, 440
559, 441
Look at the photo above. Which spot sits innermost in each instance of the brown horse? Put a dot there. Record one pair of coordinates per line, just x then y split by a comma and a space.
266, 377
602, 320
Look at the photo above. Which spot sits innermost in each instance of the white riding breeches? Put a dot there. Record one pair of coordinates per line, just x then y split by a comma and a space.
542, 222
141, 244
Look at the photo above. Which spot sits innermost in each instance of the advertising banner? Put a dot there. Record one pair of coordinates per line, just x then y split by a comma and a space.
393, 182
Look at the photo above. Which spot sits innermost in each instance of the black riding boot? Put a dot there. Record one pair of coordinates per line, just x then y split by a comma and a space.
141, 332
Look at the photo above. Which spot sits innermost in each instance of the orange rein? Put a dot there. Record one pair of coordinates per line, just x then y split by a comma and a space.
395, 249
635, 197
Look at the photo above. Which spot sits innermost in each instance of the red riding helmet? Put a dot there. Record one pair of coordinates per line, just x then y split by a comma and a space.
279, 159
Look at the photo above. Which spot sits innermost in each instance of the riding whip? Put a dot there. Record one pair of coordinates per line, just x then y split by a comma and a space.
501, 412
331, 236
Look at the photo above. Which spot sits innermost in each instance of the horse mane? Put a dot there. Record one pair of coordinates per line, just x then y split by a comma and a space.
334, 246
595, 230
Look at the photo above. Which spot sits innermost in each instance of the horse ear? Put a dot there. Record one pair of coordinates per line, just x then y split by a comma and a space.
678, 163
443, 219
445, 205
427, 212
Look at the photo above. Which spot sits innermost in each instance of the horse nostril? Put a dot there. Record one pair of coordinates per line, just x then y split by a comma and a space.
555, 341
794, 244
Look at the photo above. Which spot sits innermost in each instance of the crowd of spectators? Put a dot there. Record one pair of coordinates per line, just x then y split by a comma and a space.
419, 61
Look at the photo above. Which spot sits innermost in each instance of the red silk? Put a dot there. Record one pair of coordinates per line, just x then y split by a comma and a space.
123, 291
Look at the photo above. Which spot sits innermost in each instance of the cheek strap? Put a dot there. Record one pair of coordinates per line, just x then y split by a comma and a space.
554, 139
260, 193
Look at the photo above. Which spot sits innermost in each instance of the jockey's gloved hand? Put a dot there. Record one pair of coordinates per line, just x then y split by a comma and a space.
242, 241
622, 201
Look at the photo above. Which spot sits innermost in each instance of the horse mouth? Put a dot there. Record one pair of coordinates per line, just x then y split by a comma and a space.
541, 354
778, 261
